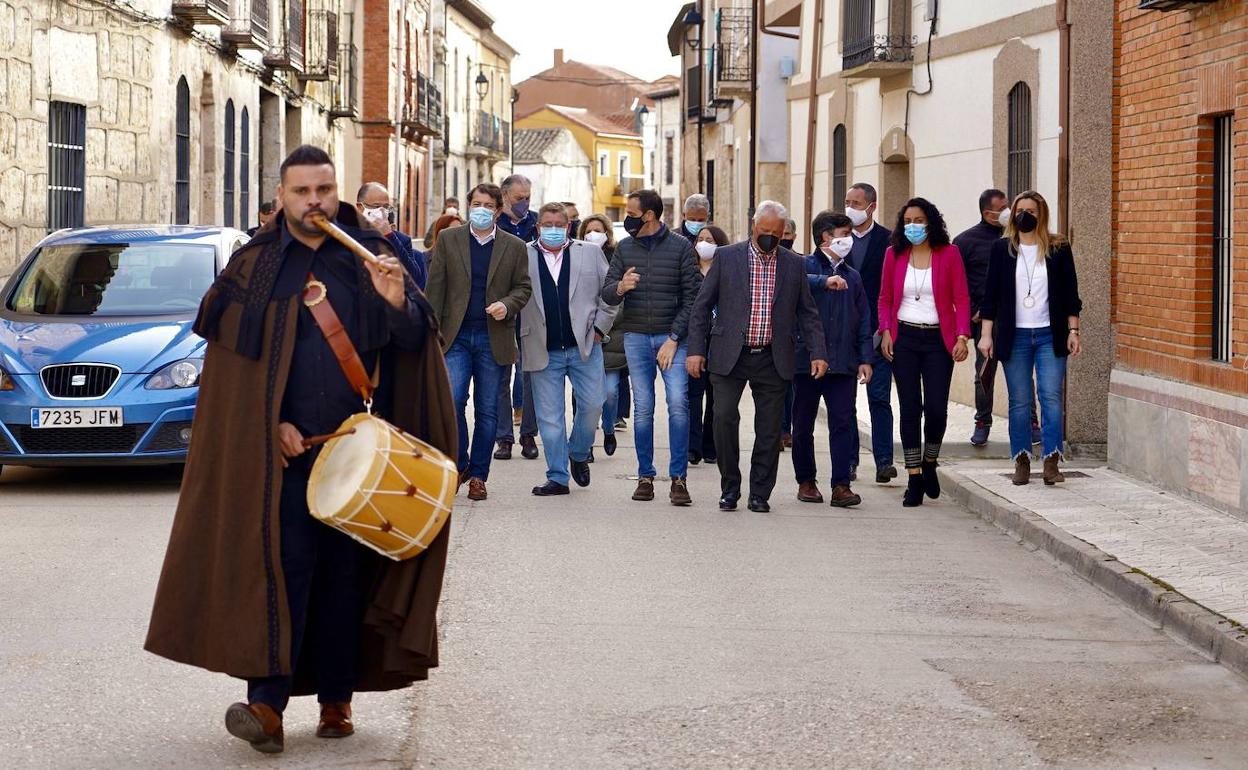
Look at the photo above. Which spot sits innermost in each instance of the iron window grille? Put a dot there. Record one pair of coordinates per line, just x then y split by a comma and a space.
840, 163
244, 172
228, 175
67, 135
182, 155
1019, 165
1223, 208
732, 44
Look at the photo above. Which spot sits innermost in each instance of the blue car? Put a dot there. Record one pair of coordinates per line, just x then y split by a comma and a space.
98, 362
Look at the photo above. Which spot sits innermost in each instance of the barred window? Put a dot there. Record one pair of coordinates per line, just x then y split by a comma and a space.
1223, 206
182, 155
840, 164
244, 173
669, 162
1019, 170
228, 176
67, 171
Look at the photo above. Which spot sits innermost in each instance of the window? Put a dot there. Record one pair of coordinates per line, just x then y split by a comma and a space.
652, 167
604, 159
622, 166
455, 184
840, 162
182, 155
1019, 168
244, 173
669, 162
67, 159
710, 188
1222, 209
228, 176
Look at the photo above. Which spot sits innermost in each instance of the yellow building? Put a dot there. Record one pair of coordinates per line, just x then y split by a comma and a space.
611, 143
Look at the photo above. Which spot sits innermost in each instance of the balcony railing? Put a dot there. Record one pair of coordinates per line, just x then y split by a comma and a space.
628, 184
732, 44
322, 44
423, 112
346, 97
202, 11
864, 44
491, 133
249, 24
287, 51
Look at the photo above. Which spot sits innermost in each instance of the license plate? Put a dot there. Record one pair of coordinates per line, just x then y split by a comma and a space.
76, 418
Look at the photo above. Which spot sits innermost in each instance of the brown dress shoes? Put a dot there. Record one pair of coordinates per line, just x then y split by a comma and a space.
335, 721
476, 489
257, 724
808, 492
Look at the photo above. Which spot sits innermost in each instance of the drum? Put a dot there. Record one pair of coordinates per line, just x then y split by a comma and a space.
388, 490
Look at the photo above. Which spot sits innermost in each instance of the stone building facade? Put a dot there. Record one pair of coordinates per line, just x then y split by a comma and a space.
1178, 410
160, 112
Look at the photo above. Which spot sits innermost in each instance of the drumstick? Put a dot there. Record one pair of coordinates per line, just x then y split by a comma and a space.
337, 233
312, 441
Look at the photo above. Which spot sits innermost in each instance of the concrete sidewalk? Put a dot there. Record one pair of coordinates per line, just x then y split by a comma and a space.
1182, 565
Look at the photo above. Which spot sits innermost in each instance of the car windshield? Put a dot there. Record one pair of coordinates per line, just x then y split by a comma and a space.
115, 279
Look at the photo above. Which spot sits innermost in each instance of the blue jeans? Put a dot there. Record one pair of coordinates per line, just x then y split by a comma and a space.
879, 401
548, 389
610, 400
641, 350
470, 360
1033, 352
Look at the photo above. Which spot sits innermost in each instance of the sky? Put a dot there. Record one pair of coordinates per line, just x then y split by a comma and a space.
630, 36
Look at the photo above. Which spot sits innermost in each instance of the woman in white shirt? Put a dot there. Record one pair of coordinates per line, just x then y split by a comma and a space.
1031, 324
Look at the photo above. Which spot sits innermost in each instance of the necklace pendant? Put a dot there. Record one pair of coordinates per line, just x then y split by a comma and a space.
1029, 302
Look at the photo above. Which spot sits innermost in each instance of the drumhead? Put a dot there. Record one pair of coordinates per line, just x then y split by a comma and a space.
344, 468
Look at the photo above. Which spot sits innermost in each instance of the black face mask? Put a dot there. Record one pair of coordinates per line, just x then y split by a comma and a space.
1025, 222
574, 227
787, 242
767, 243
633, 225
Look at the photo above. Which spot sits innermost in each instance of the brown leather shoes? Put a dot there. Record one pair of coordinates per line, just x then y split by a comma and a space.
808, 492
335, 721
257, 724
1022, 471
1051, 473
645, 489
476, 489
844, 497
679, 494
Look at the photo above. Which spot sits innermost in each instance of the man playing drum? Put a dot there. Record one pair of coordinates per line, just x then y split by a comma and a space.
253, 586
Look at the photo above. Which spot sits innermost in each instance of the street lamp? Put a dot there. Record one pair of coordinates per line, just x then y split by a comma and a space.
693, 28
483, 84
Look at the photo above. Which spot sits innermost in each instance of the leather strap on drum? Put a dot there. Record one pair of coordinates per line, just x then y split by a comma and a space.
314, 298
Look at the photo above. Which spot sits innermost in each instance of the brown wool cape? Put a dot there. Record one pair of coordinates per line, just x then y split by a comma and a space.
221, 601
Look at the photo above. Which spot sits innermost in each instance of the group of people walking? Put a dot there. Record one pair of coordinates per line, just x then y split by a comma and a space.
558, 298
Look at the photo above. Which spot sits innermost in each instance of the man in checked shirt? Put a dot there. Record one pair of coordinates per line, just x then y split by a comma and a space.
761, 294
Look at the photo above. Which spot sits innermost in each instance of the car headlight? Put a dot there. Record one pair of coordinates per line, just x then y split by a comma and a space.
6, 381
179, 374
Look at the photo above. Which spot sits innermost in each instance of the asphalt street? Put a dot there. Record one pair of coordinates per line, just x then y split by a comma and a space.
591, 631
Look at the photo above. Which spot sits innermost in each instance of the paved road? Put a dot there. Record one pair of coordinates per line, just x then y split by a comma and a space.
591, 631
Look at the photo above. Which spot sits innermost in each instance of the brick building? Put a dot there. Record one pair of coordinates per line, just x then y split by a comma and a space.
1177, 406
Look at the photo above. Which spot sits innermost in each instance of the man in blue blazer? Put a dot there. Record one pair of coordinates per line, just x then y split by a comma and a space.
761, 296
373, 203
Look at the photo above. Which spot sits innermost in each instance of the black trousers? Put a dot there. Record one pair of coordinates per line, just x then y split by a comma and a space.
323, 594
702, 421
923, 370
769, 389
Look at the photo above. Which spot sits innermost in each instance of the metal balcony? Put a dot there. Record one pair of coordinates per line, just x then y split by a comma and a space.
869, 50
491, 136
322, 54
202, 11
346, 97
249, 24
287, 51
731, 55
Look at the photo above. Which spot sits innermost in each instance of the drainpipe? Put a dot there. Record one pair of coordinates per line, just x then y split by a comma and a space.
813, 117
701, 97
1063, 119
757, 13
399, 93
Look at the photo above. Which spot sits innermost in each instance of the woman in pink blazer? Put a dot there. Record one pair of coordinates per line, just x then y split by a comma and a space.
925, 322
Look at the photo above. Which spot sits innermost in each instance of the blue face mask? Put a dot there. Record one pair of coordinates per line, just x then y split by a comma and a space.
554, 237
480, 217
916, 233
694, 227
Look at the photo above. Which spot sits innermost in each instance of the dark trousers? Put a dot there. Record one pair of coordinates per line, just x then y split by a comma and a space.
768, 387
838, 393
985, 382
923, 370
323, 594
624, 405
702, 421
786, 424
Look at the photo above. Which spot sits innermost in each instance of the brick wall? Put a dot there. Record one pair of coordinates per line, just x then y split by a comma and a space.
1174, 71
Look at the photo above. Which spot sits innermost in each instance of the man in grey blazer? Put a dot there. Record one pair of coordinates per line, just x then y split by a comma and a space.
478, 281
561, 334
760, 294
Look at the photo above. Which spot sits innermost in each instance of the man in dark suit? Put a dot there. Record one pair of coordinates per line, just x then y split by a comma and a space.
373, 203
478, 284
760, 294
867, 257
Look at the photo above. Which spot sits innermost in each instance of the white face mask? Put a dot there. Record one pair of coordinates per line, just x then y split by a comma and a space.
452, 212
840, 247
596, 238
857, 216
705, 250
376, 216
1003, 217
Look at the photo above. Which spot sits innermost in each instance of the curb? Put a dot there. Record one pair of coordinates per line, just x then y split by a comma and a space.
1213, 635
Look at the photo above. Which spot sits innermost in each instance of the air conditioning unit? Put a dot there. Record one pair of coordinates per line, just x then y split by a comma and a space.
788, 67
